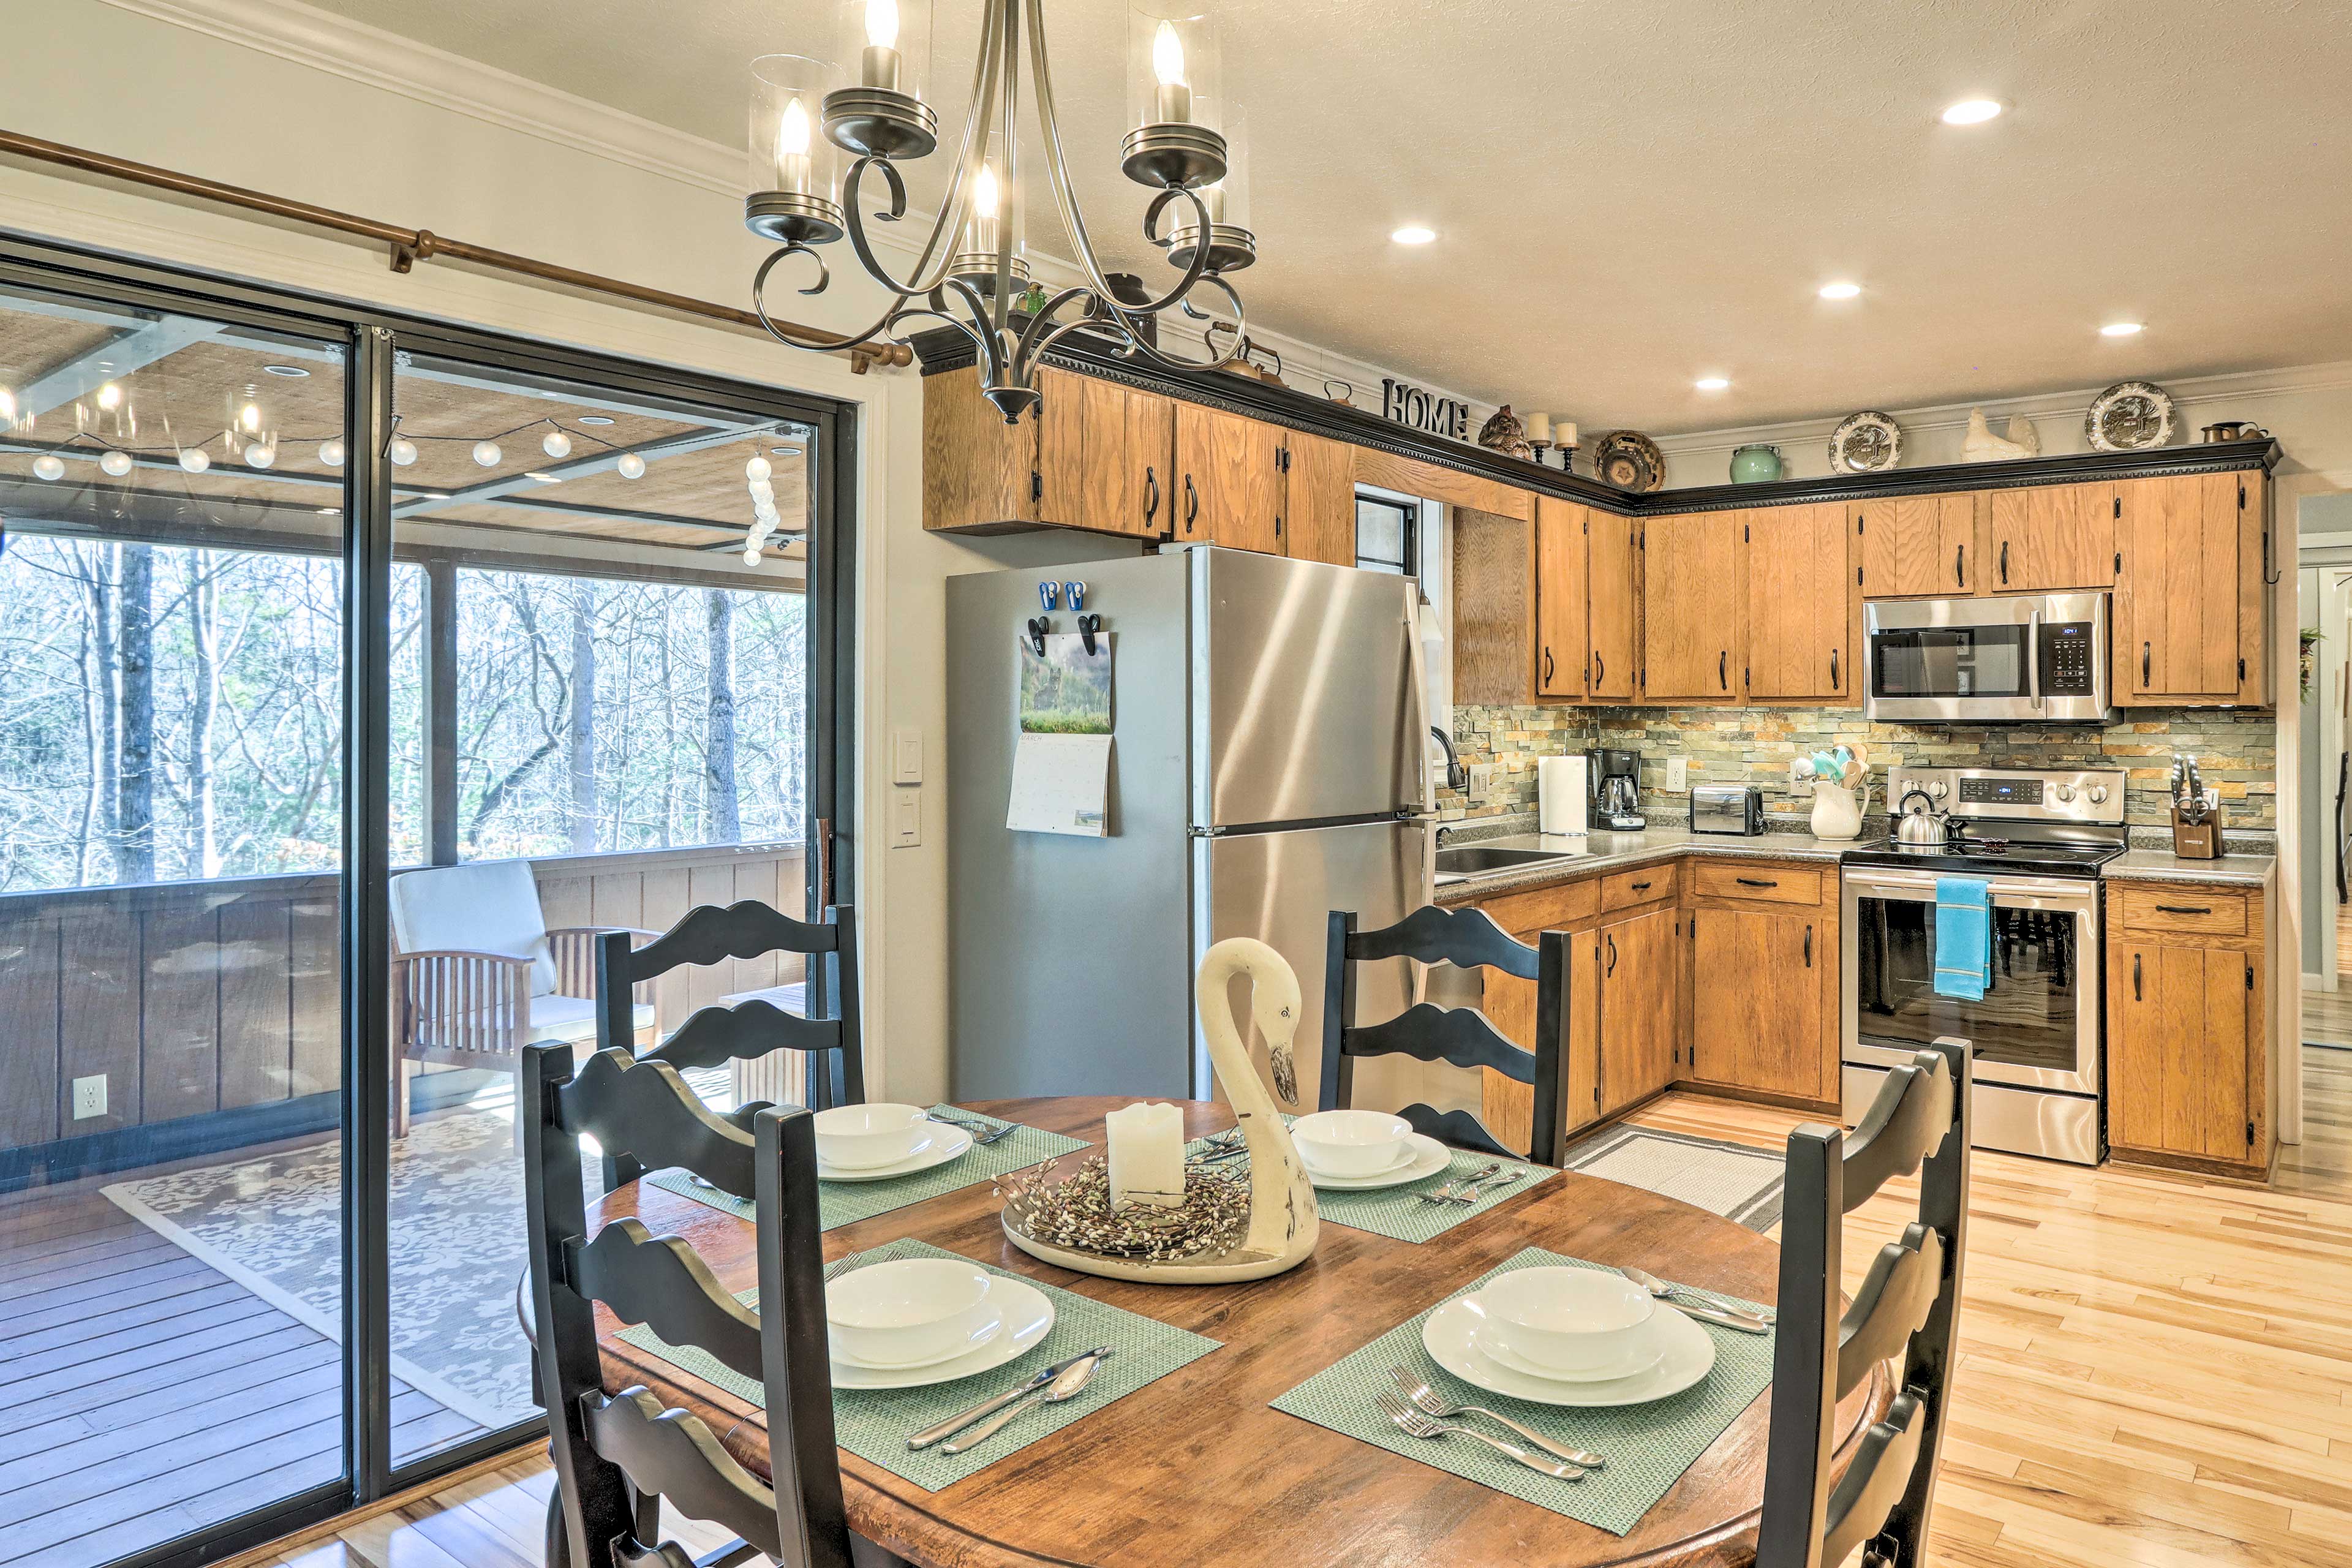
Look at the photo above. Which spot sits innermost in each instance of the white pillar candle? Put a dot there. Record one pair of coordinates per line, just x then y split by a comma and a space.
1565, 436
1539, 428
1147, 1156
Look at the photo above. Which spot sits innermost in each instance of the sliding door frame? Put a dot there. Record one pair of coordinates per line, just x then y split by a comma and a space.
374, 339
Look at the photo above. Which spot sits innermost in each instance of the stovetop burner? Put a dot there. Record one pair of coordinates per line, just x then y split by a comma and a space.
1981, 855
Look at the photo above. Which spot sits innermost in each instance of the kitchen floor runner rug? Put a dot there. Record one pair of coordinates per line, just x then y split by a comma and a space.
1648, 1447
873, 1422
1741, 1184
846, 1203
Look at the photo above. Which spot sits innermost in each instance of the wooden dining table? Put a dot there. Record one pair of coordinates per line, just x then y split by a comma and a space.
1196, 1469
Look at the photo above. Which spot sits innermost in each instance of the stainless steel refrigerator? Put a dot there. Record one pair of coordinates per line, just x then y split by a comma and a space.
1269, 763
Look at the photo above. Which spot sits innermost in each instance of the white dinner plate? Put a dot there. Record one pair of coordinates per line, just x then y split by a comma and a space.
1027, 1314
1689, 1357
951, 1143
1424, 1157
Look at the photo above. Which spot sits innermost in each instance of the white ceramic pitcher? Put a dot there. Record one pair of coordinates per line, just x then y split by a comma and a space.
1837, 813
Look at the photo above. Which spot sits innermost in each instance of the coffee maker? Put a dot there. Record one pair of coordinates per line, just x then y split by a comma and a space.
1616, 778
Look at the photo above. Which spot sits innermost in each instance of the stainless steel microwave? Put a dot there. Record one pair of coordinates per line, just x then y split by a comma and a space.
2037, 659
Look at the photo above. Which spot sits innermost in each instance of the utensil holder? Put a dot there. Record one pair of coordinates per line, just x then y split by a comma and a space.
2196, 840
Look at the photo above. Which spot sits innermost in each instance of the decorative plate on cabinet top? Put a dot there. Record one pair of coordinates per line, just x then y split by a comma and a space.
1864, 443
1629, 461
2129, 416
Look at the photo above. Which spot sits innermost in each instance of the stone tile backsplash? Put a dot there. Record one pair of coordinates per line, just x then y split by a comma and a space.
2236, 753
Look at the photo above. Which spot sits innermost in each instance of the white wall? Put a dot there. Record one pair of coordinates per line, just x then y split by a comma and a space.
298, 103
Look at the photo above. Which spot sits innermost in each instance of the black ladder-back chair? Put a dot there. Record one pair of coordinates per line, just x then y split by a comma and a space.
1467, 939
714, 1036
1907, 1307
617, 1457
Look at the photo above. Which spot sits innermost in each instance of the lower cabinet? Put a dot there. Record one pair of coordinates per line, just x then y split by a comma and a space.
1763, 979
2187, 1070
1639, 965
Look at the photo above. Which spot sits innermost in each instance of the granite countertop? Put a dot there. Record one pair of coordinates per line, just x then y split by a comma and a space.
1597, 852
2164, 866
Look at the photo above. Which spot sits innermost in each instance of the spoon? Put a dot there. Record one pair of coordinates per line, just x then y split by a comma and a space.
1696, 1307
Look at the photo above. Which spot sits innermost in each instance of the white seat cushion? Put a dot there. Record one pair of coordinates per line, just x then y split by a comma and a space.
492, 907
792, 998
570, 1019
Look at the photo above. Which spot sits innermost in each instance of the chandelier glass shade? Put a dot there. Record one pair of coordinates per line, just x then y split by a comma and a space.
1185, 142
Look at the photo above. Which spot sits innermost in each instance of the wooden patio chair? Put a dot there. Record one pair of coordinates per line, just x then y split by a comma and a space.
477, 976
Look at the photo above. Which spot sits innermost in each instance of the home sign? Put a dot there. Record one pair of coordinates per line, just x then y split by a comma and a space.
1417, 409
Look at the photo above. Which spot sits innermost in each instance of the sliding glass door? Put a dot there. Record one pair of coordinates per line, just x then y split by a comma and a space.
353, 670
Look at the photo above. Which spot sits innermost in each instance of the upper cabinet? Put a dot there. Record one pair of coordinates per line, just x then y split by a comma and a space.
1913, 547
2190, 610
1693, 645
1319, 512
2047, 537
1801, 598
1096, 455
1613, 612
1228, 479
1563, 595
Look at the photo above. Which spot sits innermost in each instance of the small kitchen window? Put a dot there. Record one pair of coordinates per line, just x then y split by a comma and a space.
1388, 535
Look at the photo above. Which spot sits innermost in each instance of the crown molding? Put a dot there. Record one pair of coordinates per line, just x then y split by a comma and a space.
2187, 392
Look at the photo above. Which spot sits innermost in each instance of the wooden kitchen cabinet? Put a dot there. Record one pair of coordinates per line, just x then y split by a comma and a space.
1912, 547
1563, 596
1640, 971
1801, 594
2048, 537
1319, 506
1228, 479
1104, 453
1508, 1106
2189, 624
1763, 978
1691, 639
2187, 1062
1613, 606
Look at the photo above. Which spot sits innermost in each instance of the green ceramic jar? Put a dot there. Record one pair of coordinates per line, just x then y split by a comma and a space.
1756, 465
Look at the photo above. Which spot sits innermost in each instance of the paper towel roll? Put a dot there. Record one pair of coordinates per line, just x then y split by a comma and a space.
1561, 795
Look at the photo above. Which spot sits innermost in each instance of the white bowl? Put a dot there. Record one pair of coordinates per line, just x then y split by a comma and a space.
860, 1137
1570, 1322
910, 1312
1350, 1143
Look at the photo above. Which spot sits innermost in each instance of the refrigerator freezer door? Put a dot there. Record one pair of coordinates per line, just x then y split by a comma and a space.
1304, 706
1281, 888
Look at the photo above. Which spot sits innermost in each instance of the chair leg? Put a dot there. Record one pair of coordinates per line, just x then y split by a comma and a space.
559, 1542
400, 1079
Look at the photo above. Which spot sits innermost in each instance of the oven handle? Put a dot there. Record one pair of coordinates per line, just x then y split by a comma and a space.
2081, 893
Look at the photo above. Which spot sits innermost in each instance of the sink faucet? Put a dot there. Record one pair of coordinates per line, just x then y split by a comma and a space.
1457, 777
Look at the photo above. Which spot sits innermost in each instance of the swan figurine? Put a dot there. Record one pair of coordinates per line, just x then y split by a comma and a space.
1282, 1216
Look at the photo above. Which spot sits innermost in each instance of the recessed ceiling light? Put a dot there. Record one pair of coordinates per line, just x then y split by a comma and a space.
785, 451
290, 372
2119, 328
594, 419
1712, 382
1413, 234
542, 478
1971, 111
1840, 290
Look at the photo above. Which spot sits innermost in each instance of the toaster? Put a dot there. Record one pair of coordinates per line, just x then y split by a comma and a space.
1726, 808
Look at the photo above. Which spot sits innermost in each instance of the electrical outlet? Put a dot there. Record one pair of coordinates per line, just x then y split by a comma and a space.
1677, 774
907, 818
90, 1097
1482, 780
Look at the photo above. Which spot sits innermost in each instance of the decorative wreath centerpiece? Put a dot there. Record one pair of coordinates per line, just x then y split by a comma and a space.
1075, 1213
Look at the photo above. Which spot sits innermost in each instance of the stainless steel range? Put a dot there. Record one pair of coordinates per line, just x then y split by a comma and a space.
2037, 840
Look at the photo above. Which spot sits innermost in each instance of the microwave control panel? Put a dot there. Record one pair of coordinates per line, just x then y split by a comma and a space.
2065, 659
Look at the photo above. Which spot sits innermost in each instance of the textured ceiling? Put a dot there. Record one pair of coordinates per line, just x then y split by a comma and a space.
1630, 196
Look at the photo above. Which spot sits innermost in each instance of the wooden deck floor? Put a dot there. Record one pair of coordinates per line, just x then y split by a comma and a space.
164, 1397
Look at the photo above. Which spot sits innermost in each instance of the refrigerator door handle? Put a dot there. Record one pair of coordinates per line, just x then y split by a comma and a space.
1416, 666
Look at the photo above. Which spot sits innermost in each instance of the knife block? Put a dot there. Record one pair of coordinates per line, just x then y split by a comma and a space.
2197, 841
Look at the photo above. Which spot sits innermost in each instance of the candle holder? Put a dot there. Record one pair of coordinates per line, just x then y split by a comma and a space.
794, 190
1172, 74
888, 46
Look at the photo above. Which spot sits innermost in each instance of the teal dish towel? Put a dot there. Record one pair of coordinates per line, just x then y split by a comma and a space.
1963, 938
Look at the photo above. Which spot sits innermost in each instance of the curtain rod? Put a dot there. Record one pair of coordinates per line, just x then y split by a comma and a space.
410, 246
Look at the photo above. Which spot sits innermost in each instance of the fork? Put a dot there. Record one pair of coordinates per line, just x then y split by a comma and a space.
1445, 1195
1413, 1424
1429, 1402
1469, 1194
843, 1265
982, 1135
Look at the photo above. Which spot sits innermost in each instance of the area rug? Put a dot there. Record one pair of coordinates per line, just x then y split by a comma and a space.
1741, 1184
274, 1225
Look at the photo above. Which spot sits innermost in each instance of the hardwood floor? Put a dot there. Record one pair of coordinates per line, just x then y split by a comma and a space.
2156, 1371
2327, 1015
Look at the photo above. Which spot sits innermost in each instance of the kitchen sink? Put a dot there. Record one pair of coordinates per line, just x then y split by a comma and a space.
1471, 858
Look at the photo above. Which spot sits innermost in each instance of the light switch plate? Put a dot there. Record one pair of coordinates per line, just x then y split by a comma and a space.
1677, 774
1482, 780
907, 755
906, 819
90, 1097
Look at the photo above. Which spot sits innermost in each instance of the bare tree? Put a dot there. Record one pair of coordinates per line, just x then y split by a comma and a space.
718, 753
583, 718
203, 701
134, 853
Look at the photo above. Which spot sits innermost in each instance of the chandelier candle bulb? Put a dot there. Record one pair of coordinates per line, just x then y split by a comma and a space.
1147, 1156
1175, 100
881, 57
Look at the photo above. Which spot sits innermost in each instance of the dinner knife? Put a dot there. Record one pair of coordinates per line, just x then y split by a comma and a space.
986, 1407
1069, 1385
1682, 1301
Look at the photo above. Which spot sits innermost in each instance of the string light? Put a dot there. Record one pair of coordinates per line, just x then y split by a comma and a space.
48, 465
330, 453
193, 460
404, 451
486, 454
631, 465
117, 463
556, 444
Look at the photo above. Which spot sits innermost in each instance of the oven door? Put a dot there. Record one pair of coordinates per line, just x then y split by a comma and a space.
2038, 1024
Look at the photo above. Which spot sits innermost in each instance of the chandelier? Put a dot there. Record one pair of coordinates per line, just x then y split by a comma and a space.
1184, 142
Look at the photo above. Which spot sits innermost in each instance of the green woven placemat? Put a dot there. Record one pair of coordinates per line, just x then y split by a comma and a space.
873, 1422
846, 1203
1399, 1213
1648, 1447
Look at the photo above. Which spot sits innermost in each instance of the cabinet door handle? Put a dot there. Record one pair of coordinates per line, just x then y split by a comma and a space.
1641, 887
2137, 996
1809, 947
1150, 493
1834, 670
1191, 503
1959, 565
1752, 882
2004, 561
1600, 668
1612, 957
1546, 675
2144, 651
2185, 908
1723, 670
